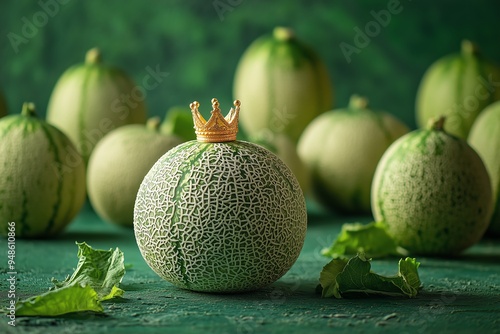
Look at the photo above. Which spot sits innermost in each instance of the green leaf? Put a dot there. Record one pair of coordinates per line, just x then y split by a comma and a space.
340, 278
371, 239
328, 277
102, 270
95, 279
69, 299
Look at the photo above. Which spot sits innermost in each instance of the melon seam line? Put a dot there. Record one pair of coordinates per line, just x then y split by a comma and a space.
57, 165
81, 114
175, 215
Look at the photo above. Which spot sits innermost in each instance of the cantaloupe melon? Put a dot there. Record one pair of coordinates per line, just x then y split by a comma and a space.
91, 99
433, 192
342, 147
42, 176
484, 137
118, 165
220, 215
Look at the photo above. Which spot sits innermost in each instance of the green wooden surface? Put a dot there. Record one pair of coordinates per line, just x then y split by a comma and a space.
460, 295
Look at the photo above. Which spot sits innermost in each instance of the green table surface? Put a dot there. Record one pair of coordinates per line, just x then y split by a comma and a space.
459, 295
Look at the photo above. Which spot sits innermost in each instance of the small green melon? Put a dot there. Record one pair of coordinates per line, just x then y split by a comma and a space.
484, 137
42, 176
178, 122
433, 192
220, 216
342, 147
118, 165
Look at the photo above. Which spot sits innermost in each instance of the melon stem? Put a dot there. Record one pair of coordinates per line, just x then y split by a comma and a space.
358, 102
93, 56
436, 123
469, 48
28, 109
283, 34
153, 123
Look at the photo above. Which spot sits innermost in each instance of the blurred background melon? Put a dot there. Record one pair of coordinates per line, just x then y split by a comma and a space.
484, 137
342, 148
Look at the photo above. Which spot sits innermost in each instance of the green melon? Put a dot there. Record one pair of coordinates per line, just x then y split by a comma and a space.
118, 165
284, 85
342, 147
178, 122
42, 176
91, 99
458, 86
433, 192
484, 137
220, 216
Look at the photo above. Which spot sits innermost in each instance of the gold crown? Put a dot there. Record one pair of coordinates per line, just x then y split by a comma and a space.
218, 128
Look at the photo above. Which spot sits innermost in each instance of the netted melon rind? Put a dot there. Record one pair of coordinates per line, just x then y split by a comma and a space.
433, 192
220, 217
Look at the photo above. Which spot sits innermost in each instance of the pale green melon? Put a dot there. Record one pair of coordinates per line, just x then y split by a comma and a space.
342, 147
220, 217
433, 192
42, 176
91, 99
118, 165
283, 83
484, 137
458, 86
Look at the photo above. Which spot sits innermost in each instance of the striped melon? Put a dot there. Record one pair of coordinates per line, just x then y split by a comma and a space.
484, 137
458, 86
284, 85
91, 99
342, 147
433, 192
118, 165
220, 215
42, 176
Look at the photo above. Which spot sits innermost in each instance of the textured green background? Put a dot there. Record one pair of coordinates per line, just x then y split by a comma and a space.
200, 48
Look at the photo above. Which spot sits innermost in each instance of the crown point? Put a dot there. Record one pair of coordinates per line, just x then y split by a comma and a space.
237, 103
215, 104
194, 105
